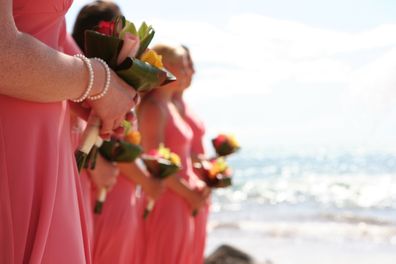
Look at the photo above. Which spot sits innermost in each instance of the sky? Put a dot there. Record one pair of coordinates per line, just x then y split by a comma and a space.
285, 73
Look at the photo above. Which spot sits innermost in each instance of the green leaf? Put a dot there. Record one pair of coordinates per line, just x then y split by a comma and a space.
127, 126
120, 151
119, 24
143, 30
102, 46
129, 28
141, 75
160, 168
145, 42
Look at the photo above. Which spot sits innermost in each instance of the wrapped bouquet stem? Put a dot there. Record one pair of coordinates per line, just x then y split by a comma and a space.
100, 200
88, 140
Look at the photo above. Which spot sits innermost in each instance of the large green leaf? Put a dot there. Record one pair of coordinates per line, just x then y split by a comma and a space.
129, 28
146, 35
141, 75
102, 46
160, 168
120, 151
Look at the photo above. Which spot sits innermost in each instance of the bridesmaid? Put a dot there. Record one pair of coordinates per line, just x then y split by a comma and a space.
197, 154
40, 198
115, 229
169, 230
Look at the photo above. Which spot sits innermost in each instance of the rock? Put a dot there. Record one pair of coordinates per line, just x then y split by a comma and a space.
226, 254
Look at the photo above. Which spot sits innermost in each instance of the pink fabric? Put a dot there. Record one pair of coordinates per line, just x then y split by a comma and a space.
69, 46
77, 127
201, 219
116, 227
140, 241
40, 198
170, 226
198, 129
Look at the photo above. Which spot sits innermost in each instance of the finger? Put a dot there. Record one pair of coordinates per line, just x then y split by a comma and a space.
107, 128
119, 132
118, 123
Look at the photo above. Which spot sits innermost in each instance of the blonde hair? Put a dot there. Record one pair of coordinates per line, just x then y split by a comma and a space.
170, 54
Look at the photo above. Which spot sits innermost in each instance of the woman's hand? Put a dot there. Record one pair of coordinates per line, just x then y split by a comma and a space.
154, 188
204, 189
112, 108
105, 174
196, 199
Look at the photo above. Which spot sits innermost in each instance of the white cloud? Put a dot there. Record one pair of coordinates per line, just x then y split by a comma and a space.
252, 53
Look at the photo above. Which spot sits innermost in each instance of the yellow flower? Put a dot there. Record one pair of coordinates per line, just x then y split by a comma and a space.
163, 152
175, 159
151, 57
133, 137
233, 141
218, 166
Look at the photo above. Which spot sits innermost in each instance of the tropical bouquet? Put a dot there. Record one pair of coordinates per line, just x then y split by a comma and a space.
161, 163
215, 173
225, 144
124, 48
122, 150
118, 150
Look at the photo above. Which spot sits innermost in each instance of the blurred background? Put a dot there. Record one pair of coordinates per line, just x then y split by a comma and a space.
308, 89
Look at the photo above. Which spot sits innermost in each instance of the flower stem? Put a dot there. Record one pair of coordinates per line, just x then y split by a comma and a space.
100, 201
80, 159
149, 208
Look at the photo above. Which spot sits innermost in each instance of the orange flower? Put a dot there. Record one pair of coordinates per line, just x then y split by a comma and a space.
133, 137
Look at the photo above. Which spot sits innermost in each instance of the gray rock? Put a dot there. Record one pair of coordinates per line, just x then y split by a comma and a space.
226, 254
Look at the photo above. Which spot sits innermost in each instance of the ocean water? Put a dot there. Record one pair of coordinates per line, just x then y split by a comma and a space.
313, 207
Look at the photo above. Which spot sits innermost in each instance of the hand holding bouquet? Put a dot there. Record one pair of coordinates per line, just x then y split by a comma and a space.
161, 163
124, 49
216, 173
117, 150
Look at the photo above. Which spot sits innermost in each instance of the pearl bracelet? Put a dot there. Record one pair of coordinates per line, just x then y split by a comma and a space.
91, 78
107, 83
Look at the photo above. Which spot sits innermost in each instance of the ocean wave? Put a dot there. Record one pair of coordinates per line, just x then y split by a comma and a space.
345, 180
323, 231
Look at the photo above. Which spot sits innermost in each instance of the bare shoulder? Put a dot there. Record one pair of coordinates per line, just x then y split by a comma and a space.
6, 18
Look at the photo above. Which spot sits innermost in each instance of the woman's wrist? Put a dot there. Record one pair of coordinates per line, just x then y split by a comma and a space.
94, 77
100, 78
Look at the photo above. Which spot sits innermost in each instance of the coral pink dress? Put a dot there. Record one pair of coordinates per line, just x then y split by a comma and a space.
40, 198
77, 128
169, 230
115, 229
197, 148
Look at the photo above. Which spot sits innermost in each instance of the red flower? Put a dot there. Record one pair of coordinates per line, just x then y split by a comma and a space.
106, 28
154, 153
220, 139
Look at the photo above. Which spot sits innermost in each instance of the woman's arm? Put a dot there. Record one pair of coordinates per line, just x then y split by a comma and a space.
30, 70
152, 126
151, 186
